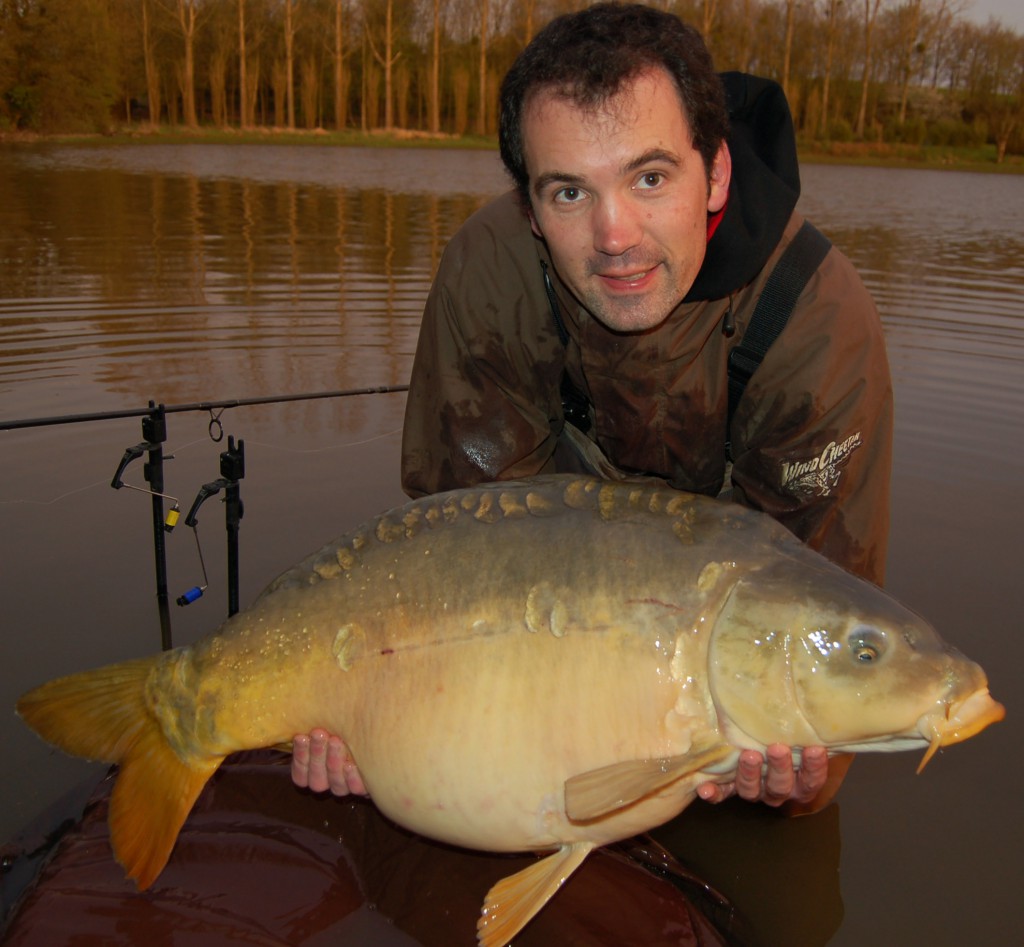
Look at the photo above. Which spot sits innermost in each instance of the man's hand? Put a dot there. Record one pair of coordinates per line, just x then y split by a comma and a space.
806, 789
321, 761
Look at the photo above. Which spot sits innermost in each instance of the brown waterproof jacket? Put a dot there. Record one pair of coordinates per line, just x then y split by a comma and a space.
810, 439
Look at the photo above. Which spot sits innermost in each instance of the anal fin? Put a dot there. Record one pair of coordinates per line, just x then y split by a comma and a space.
514, 900
598, 792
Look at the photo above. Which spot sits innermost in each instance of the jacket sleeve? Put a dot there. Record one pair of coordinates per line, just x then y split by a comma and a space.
483, 400
812, 435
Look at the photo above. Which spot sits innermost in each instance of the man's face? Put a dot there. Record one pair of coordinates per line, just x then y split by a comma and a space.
621, 197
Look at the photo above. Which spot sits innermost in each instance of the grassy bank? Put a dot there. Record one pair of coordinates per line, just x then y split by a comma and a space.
878, 154
396, 138
935, 157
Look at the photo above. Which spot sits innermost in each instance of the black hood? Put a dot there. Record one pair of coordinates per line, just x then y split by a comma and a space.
764, 189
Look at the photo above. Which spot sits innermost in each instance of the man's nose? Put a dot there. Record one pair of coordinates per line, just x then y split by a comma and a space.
616, 226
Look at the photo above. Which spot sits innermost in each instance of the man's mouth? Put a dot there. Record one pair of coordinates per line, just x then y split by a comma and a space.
635, 280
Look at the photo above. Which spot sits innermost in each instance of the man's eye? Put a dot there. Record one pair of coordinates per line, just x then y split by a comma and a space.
650, 179
569, 195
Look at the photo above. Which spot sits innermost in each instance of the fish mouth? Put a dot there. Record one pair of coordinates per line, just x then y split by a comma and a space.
962, 720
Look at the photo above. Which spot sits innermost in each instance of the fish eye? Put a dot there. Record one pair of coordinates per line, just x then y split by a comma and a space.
867, 645
864, 652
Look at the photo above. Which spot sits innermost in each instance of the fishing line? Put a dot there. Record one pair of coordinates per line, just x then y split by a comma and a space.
268, 445
57, 499
330, 447
105, 482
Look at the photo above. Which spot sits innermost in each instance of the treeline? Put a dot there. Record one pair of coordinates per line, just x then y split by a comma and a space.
914, 71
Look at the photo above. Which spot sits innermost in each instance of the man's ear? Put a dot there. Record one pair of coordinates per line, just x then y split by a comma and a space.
534, 226
718, 179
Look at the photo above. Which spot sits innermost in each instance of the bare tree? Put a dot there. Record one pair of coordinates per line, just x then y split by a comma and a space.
243, 79
310, 87
787, 52
831, 32
434, 98
746, 36
871, 8
996, 83
941, 28
709, 11
481, 116
152, 70
340, 79
188, 21
460, 113
387, 60
220, 48
910, 30
218, 71
530, 12
289, 60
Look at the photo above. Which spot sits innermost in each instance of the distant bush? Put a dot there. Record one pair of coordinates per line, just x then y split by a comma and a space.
23, 106
840, 130
949, 133
912, 132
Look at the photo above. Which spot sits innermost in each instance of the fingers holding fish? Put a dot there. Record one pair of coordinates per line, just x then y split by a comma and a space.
772, 778
782, 781
301, 763
352, 778
779, 783
321, 762
813, 774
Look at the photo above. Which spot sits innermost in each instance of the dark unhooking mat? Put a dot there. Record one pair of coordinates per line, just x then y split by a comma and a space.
261, 862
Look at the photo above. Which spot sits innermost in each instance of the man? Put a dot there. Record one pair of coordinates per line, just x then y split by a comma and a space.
645, 224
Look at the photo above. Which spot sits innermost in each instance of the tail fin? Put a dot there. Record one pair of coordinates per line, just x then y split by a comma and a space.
102, 715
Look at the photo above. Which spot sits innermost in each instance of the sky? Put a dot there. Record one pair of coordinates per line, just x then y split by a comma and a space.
1009, 12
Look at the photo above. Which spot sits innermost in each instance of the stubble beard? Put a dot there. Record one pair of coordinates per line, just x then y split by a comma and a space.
631, 313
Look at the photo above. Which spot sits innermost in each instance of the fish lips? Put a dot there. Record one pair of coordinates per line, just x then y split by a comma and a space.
962, 720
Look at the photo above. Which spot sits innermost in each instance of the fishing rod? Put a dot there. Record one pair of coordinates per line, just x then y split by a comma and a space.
210, 406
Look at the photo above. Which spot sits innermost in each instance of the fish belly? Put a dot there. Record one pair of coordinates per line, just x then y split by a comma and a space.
472, 744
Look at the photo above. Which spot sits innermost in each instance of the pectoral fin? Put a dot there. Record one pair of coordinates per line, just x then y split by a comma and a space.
596, 793
514, 900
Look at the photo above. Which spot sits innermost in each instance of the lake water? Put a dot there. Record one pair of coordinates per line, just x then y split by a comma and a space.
186, 274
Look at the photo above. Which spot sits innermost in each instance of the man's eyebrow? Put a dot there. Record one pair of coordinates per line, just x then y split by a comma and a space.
563, 178
652, 156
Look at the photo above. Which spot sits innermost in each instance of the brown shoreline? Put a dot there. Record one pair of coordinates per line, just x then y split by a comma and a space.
874, 154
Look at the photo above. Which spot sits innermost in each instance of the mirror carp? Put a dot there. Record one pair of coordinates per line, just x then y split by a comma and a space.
546, 665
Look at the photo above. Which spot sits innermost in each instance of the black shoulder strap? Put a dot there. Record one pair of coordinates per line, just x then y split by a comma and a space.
785, 284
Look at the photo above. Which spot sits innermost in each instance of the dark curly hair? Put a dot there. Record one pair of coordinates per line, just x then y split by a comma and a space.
588, 56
